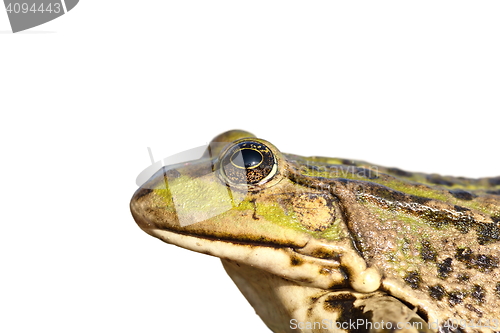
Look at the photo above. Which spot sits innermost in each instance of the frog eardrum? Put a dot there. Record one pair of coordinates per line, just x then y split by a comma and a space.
248, 162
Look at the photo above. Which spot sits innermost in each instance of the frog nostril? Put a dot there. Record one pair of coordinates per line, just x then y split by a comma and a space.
142, 192
172, 174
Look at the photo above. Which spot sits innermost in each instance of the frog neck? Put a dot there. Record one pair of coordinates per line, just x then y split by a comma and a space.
279, 302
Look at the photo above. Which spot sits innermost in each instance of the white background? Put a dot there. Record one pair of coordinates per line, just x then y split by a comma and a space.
82, 97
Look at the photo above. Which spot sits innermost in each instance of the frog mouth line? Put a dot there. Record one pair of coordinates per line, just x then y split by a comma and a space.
252, 244
330, 258
295, 264
282, 261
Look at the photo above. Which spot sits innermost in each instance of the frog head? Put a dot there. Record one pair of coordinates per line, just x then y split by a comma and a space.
240, 202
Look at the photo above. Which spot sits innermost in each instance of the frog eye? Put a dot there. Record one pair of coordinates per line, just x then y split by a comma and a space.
248, 162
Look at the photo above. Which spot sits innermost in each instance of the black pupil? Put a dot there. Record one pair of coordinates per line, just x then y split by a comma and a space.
251, 158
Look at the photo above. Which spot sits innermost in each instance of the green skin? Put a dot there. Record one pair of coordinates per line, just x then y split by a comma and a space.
328, 239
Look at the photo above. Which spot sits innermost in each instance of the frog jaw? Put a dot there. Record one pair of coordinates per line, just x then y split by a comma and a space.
249, 264
292, 264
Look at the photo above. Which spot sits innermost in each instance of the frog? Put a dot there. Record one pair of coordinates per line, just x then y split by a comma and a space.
320, 244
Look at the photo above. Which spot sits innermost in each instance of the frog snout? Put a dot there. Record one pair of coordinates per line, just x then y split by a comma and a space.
141, 209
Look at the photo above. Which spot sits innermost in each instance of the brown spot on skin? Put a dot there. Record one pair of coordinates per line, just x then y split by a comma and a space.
427, 252
456, 297
497, 289
254, 214
324, 253
413, 279
437, 292
487, 233
494, 181
478, 293
337, 303
366, 173
438, 180
464, 254
296, 261
480, 262
463, 277
494, 192
343, 304
444, 268
470, 307
461, 209
348, 162
462, 195
399, 172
